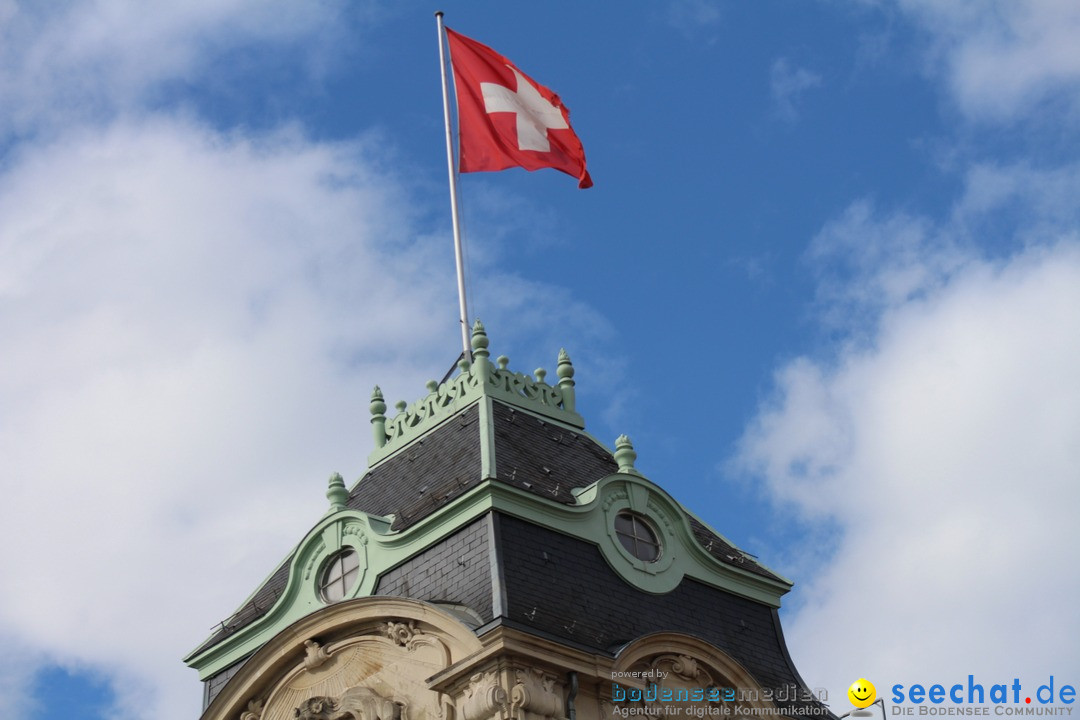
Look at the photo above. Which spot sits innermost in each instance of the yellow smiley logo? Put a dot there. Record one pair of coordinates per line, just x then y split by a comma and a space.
862, 693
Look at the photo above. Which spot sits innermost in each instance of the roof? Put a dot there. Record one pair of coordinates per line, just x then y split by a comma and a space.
561, 587
486, 424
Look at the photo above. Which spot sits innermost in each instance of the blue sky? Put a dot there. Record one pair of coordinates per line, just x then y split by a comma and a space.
828, 280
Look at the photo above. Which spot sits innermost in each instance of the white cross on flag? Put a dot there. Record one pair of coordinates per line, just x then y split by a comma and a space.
506, 119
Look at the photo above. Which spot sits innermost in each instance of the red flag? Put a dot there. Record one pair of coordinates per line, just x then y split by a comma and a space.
506, 119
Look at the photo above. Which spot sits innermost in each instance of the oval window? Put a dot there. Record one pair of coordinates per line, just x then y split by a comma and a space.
637, 536
339, 575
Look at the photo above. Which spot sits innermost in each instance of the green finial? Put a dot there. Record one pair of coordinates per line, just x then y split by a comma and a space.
432, 386
378, 417
400, 406
479, 339
481, 366
336, 493
565, 371
625, 455
378, 405
503, 361
540, 374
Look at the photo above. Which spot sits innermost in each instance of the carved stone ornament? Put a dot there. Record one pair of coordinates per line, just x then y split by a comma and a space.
484, 697
317, 708
685, 667
659, 513
358, 703
615, 496
535, 695
254, 710
315, 655
315, 555
355, 529
401, 633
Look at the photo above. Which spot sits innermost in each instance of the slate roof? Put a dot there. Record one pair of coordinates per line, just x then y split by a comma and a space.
455, 570
531, 454
544, 458
424, 476
724, 551
563, 588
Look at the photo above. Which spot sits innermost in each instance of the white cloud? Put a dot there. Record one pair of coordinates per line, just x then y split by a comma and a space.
1004, 59
1039, 203
18, 664
788, 84
869, 263
62, 61
192, 324
939, 449
189, 348
692, 16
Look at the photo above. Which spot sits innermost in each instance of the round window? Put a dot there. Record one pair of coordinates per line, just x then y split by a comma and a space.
637, 536
339, 575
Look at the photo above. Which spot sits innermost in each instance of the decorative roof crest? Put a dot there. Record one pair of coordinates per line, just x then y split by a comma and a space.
625, 455
336, 492
476, 379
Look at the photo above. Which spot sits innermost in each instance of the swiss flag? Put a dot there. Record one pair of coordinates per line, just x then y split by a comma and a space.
507, 119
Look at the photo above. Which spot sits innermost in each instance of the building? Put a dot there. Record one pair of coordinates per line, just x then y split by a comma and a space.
496, 561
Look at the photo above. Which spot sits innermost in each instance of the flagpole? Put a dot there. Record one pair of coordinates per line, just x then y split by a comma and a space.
464, 319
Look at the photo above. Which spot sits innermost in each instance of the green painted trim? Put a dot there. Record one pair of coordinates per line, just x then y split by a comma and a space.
591, 519
379, 550
379, 456
535, 395
440, 404
474, 381
488, 467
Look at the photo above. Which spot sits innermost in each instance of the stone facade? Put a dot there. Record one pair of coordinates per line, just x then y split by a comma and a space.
398, 659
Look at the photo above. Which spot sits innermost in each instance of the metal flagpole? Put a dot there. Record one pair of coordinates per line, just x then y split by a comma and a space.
453, 192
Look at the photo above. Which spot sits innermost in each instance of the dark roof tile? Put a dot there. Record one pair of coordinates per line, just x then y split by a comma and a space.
546, 459
424, 476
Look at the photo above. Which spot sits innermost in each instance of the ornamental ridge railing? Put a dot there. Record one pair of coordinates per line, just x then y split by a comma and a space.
474, 380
